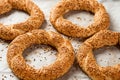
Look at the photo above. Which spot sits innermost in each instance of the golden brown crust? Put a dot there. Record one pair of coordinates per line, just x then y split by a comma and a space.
87, 61
35, 20
101, 18
62, 64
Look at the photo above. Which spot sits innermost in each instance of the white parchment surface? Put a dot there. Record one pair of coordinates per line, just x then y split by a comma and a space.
42, 55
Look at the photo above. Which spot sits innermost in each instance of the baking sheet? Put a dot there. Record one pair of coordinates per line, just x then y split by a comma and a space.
42, 55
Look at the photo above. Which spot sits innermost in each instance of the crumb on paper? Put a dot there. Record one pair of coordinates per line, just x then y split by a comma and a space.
45, 58
90, 19
34, 59
49, 25
79, 18
6, 46
11, 76
28, 60
2, 50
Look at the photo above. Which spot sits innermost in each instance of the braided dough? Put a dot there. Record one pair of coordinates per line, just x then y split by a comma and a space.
64, 61
87, 61
101, 18
9, 32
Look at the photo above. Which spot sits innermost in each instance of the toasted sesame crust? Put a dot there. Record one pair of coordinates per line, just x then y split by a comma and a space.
64, 61
9, 32
87, 61
101, 18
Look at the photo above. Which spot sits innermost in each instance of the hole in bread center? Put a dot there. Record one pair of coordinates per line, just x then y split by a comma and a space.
38, 56
80, 18
107, 56
13, 17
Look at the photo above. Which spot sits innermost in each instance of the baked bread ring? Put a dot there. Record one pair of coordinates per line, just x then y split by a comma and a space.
9, 32
87, 61
64, 61
101, 18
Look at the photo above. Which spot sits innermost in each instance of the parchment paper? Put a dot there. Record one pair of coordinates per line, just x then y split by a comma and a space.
42, 55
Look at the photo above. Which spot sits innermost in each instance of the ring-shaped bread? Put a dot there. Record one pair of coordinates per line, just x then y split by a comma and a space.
9, 32
87, 60
101, 17
65, 55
